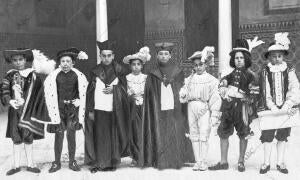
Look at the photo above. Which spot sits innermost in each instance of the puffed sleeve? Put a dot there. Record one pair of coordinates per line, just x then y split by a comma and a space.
184, 91
215, 100
293, 94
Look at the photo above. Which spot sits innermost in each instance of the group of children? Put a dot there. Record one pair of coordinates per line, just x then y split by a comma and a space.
143, 116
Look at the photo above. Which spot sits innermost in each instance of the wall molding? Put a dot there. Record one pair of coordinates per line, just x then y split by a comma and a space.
271, 26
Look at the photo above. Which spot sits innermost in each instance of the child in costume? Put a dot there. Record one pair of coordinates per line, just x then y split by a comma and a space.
22, 91
200, 91
135, 89
280, 91
237, 110
65, 91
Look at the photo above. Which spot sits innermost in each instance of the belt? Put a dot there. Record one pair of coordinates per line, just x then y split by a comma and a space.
68, 101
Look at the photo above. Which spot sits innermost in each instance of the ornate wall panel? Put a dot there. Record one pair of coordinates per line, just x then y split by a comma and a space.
266, 32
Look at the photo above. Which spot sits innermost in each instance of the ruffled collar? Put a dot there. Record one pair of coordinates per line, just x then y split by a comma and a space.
136, 78
25, 72
278, 67
200, 79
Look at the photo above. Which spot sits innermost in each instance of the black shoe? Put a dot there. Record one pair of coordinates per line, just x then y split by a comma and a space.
264, 169
95, 169
54, 167
33, 169
241, 167
13, 171
133, 163
109, 169
219, 166
74, 166
282, 169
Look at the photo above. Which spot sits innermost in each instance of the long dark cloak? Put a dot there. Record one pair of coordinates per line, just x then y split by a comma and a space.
153, 141
120, 118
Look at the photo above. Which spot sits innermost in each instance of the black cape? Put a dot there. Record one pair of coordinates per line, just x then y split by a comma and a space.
120, 118
163, 143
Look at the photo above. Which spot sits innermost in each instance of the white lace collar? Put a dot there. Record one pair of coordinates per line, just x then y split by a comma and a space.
25, 72
278, 67
136, 78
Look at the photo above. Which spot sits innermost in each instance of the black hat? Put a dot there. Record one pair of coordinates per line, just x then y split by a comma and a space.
27, 53
72, 52
241, 45
106, 45
164, 46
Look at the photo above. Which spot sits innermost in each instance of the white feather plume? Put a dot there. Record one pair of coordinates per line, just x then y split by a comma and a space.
282, 39
207, 54
82, 55
41, 63
145, 52
254, 43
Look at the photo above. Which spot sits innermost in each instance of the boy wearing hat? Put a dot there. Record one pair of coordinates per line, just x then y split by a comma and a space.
17, 88
280, 91
237, 110
135, 89
164, 144
65, 94
108, 109
200, 91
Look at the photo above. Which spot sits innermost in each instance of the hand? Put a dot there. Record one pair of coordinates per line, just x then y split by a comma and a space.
215, 129
91, 116
76, 102
224, 83
108, 90
274, 108
214, 121
14, 104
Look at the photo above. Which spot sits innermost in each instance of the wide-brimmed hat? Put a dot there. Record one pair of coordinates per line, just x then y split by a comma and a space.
143, 55
27, 53
72, 52
281, 43
164, 46
106, 45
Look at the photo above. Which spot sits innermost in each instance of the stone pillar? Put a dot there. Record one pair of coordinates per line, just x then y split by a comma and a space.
224, 36
101, 23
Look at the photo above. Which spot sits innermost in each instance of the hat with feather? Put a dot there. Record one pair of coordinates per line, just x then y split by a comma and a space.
143, 55
246, 45
206, 55
72, 52
281, 43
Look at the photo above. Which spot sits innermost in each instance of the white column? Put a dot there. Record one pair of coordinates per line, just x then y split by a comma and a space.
225, 36
101, 23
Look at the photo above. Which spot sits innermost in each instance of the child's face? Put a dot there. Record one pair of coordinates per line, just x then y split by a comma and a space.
19, 62
66, 63
276, 57
239, 60
107, 57
163, 56
199, 66
136, 66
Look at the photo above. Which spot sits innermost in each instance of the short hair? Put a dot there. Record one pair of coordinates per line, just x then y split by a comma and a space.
247, 58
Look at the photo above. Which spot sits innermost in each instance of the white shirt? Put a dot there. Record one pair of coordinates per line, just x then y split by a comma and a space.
103, 102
